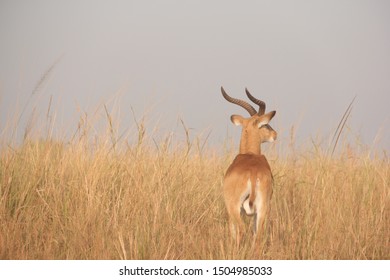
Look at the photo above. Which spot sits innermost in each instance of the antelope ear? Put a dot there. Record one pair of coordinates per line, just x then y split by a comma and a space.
265, 119
237, 119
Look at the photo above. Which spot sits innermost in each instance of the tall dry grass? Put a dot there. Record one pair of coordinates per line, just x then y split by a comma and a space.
109, 199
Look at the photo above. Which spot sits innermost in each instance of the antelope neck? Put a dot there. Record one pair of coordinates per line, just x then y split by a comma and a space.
249, 144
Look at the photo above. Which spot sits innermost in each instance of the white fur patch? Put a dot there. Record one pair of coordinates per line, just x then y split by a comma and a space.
271, 139
260, 124
236, 122
248, 210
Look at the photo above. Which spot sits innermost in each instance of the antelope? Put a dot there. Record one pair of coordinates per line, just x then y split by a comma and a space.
247, 184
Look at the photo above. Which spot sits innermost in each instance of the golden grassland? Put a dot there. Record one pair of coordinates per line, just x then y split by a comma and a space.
155, 200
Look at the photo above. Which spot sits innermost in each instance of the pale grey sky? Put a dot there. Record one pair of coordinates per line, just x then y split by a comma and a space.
305, 59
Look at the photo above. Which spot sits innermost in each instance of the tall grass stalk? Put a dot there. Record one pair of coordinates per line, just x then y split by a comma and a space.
162, 199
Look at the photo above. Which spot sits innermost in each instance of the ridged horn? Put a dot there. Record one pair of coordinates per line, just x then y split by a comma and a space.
239, 102
256, 101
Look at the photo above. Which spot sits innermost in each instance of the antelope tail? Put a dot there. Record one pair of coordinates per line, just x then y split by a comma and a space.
255, 183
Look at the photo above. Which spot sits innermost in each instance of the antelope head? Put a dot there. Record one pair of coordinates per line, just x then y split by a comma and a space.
255, 129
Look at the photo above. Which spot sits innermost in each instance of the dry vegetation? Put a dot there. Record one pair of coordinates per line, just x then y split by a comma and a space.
105, 199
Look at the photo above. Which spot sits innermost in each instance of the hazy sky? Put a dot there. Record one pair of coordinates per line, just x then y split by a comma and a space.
305, 59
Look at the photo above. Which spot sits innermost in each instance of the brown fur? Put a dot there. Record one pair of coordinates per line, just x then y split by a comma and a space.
244, 167
248, 168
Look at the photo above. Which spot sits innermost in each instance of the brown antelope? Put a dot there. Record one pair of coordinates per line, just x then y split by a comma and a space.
248, 181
